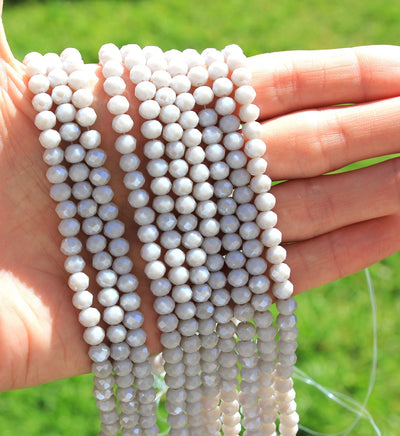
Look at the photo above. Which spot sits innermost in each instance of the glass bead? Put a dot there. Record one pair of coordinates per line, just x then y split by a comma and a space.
133, 320
125, 144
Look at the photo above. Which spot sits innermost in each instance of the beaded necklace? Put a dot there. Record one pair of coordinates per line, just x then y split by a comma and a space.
200, 198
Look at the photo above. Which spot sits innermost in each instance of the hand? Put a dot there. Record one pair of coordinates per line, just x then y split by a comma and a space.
40, 337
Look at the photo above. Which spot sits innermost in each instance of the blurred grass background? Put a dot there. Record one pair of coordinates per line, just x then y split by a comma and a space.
335, 320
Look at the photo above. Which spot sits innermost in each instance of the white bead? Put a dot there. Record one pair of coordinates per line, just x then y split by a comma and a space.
74, 264
82, 299
112, 68
160, 185
222, 87
212, 135
208, 117
185, 101
245, 94
150, 251
125, 144
160, 77
163, 204
185, 205
61, 94
271, 237
196, 257
241, 76
192, 137
155, 270
266, 220
198, 76
139, 73
89, 317
138, 198
178, 275
225, 106
219, 170
129, 162
78, 281
71, 246
149, 109
103, 194
255, 148
260, 183
182, 186
180, 83
252, 130
113, 315
70, 132
203, 95
118, 105
165, 96
148, 233
86, 116
94, 335
174, 257
109, 52
45, 120
122, 123
38, 83
82, 98
57, 77
78, 79
42, 102
199, 173
157, 167
178, 168
257, 166
233, 141
65, 113
108, 297
172, 132
215, 152
189, 119
50, 138
151, 129
276, 255
282, 290
78, 172
218, 69
145, 91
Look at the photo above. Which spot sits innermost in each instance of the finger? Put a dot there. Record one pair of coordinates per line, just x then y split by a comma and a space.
343, 252
313, 142
294, 80
310, 207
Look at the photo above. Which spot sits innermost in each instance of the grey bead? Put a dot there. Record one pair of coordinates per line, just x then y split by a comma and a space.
99, 176
206, 209
114, 229
95, 157
166, 221
53, 156
74, 263
129, 162
212, 245
144, 216
241, 295
243, 312
136, 338
229, 224
87, 208
160, 287
102, 369
206, 326
170, 239
108, 211
133, 320
66, 209
217, 280
170, 339
123, 367
167, 323
223, 314
103, 194
122, 265
127, 283
78, 172
187, 327
118, 246
173, 355
99, 353
130, 301
101, 260
119, 351
74, 153
201, 293
223, 188
60, 192
220, 297
139, 354
92, 226
252, 248
71, 246
204, 310
215, 262
69, 227
231, 242
190, 344
187, 223
82, 190
262, 302
96, 243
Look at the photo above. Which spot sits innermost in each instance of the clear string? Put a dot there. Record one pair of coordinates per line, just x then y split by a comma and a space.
343, 400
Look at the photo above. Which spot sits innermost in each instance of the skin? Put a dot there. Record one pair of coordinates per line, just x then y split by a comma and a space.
334, 225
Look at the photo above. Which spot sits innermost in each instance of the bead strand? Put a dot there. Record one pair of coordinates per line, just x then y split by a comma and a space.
134, 347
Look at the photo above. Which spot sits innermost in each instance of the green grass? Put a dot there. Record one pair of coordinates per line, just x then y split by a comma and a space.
335, 320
